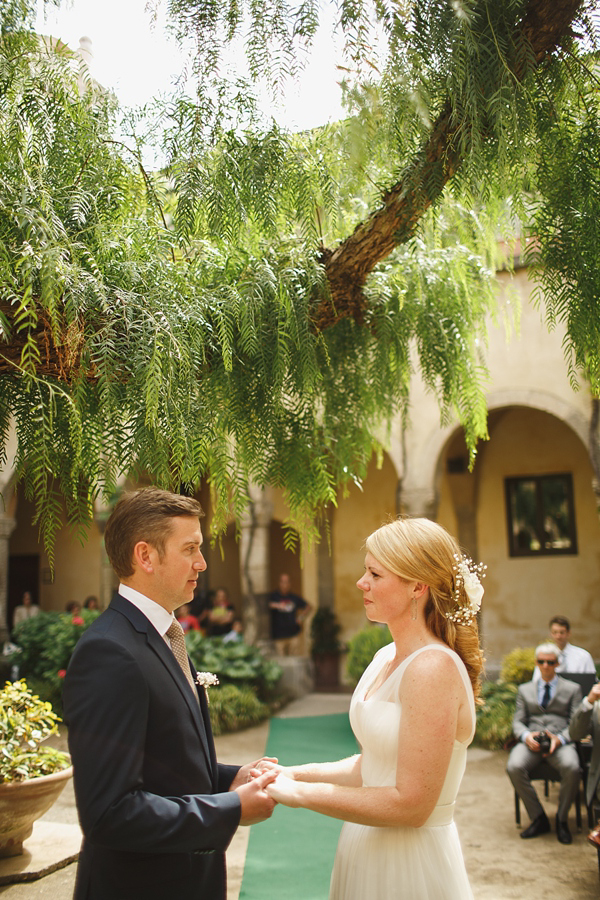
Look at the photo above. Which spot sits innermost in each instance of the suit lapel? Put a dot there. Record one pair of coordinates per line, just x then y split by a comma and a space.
203, 698
158, 646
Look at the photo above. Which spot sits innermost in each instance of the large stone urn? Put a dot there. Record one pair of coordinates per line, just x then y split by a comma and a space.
22, 802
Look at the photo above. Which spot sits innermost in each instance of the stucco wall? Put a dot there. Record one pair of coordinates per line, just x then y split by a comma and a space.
523, 593
357, 515
77, 566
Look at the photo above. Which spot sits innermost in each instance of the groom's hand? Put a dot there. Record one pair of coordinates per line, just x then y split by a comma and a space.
256, 803
252, 770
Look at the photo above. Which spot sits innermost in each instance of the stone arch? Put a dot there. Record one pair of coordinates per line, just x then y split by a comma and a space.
421, 485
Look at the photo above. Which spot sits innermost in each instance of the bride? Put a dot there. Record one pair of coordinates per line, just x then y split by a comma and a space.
413, 714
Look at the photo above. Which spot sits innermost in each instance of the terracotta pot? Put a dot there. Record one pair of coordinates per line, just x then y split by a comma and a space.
22, 802
327, 670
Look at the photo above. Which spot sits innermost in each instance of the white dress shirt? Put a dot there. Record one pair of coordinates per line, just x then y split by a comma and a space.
154, 612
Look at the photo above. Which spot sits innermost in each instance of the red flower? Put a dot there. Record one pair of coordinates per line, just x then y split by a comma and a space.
77, 620
62, 673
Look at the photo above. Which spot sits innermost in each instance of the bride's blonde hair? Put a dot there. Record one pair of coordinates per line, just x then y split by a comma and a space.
418, 549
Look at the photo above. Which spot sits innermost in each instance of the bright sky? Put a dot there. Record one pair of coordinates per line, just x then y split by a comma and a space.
138, 60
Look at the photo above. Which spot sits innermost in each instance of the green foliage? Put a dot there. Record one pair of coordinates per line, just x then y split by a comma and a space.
234, 663
166, 323
325, 632
26, 721
233, 708
518, 665
46, 642
363, 647
495, 715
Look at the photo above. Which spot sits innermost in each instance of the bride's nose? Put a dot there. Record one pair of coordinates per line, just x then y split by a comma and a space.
362, 584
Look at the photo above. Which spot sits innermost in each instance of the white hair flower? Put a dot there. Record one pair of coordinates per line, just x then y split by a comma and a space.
467, 578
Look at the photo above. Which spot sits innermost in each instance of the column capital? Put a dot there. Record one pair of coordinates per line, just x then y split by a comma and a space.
418, 501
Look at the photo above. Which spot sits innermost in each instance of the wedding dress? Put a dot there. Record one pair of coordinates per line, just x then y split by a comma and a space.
399, 863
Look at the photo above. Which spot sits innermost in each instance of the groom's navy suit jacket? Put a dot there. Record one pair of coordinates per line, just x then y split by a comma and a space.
153, 803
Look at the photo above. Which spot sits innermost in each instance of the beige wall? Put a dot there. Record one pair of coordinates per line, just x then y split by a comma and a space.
357, 515
77, 566
523, 593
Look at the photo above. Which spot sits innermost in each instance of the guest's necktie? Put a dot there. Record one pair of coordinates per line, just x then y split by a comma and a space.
177, 640
546, 697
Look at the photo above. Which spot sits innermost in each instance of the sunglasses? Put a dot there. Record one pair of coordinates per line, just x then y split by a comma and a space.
547, 662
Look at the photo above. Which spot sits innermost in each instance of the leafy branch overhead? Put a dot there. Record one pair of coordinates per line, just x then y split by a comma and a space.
249, 313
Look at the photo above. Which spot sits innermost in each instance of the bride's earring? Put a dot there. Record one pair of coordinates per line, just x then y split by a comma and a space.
413, 611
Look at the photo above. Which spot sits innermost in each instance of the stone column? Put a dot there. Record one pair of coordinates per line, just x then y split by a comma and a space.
417, 501
7, 526
254, 559
101, 514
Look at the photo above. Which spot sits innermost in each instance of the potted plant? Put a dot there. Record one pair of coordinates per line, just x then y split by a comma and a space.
326, 648
31, 776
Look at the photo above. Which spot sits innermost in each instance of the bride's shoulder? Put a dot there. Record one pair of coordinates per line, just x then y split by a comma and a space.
428, 661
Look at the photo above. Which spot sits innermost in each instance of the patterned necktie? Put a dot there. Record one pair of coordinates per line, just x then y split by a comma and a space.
546, 697
175, 635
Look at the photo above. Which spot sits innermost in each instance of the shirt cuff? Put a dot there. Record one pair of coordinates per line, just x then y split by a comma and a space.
586, 704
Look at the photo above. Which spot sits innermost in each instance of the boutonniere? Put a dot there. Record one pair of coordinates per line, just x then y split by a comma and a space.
206, 680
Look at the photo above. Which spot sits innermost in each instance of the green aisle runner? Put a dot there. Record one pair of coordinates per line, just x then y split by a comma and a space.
290, 856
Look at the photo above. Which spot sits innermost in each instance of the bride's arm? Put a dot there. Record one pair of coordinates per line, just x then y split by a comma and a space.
343, 772
431, 694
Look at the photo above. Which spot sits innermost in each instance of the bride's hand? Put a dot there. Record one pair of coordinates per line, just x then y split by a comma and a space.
285, 790
270, 765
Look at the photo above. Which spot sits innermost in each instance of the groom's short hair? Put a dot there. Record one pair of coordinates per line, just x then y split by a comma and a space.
143, 515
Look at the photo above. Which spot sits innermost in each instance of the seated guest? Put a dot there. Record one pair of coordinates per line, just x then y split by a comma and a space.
545, 707
220, 616
26, 610
572, 659
187, 621
236, 633
586, 720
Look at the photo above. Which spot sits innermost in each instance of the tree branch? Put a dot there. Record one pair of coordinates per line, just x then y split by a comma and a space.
545, 25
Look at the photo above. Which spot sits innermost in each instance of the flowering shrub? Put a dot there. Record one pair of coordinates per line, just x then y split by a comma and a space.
518, 665
26, 721
46, 642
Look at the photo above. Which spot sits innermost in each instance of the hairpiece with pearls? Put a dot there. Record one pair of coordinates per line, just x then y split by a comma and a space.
467, 577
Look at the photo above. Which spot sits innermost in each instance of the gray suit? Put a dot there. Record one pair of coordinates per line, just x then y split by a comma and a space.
530, 716
584, 722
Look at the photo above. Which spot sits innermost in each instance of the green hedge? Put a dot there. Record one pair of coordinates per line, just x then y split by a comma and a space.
235, 663
234, 708
495, 715
363, 647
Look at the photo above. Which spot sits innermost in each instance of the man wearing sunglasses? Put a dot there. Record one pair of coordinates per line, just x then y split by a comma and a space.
545, 707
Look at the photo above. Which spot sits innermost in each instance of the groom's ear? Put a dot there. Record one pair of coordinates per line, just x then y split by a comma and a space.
143, 557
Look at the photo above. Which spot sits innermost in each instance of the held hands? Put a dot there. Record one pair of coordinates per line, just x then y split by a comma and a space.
253, 770
250, 784
256, 803
284, 789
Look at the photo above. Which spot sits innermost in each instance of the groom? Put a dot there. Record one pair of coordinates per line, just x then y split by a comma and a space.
156, 809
